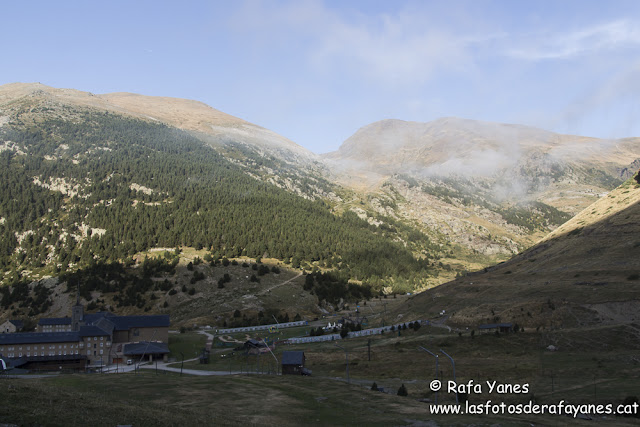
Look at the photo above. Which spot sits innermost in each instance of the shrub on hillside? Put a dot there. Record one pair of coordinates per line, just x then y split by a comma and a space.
402, 391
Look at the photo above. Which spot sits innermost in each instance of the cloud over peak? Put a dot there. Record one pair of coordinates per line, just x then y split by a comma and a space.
596, 38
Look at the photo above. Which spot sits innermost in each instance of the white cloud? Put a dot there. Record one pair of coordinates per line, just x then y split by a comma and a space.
594, 39
406, 46
397, 52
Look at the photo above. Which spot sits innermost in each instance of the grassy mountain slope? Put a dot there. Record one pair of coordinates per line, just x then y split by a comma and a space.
87, 190
586, 273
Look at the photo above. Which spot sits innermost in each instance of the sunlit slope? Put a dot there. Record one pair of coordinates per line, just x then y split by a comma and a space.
188, 115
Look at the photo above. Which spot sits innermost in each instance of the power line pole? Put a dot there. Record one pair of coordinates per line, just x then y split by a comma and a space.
274, 356
369, 349
436, 356
454, 371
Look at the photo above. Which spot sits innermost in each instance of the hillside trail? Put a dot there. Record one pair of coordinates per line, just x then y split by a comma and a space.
264, 291
440, 323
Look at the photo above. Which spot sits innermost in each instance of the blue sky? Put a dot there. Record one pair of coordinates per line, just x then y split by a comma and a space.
317, 71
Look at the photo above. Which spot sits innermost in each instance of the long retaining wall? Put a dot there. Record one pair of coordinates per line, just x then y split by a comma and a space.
352, 334
262, 327
320, 338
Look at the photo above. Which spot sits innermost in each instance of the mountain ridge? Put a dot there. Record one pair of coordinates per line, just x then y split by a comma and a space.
190, 115
397, 144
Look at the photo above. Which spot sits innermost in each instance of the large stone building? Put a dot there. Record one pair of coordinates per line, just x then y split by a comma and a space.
88, 340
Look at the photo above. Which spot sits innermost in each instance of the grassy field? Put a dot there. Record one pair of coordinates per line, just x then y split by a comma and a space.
190, 344
577, 372
171, 400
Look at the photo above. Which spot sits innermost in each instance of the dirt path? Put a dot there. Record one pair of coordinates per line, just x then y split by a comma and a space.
264, 291
440, 323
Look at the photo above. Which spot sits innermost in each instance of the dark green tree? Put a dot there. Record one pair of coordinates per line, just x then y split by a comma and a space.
402, 391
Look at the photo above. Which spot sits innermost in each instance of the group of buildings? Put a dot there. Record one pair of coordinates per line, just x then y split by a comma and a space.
90, 341
84, 340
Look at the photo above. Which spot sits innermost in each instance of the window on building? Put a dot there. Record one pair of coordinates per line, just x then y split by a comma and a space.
42, 353
101, 344
101, 352
101, 338
88, 352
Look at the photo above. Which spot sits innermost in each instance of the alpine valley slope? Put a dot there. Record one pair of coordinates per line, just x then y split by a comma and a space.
462, 194
90, 185
484, 190
584, 274
261, 152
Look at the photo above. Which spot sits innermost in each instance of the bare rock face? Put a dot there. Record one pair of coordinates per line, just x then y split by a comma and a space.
630, 171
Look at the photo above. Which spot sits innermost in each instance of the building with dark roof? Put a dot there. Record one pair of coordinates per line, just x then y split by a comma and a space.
11, 326
54, 324
52, 349
143, 350
91, 340
293, 362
